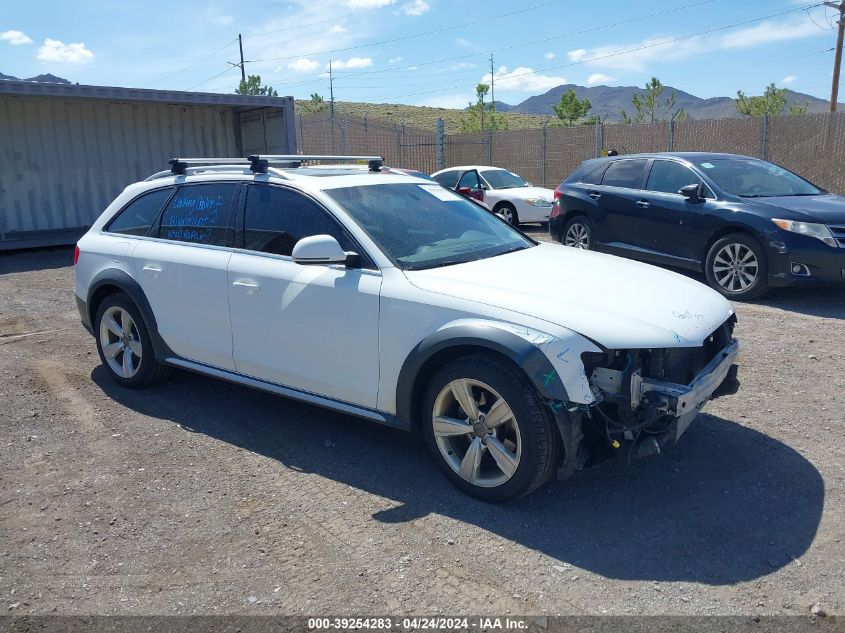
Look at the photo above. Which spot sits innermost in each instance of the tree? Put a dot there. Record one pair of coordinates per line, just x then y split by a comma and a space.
798, 109
772, 101
650, 109
480, 115
315, 105
571, 109
252, 86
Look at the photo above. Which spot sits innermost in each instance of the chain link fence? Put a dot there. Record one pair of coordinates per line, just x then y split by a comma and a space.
811, 145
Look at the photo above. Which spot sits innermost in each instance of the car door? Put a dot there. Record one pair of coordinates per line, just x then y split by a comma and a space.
310, 327
667, 222
470, 185
615, 210
181, 266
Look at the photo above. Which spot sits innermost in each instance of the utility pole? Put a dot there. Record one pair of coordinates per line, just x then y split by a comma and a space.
331, 91
493, 83
837, 59
241, 46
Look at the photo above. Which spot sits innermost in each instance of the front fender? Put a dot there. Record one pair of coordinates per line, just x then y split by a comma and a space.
551, 362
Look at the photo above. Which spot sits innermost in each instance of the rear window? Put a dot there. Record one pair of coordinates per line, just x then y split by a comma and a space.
140, 214
625, 173
594, 177
199, 214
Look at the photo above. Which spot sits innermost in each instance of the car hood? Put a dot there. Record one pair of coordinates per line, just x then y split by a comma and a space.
616, 302
523, 193
826, 209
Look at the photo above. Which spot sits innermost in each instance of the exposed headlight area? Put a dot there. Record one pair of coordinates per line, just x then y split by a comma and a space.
811, 229
646, 398
539, 202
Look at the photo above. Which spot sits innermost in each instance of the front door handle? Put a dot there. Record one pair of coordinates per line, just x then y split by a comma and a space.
595, 195
250, 285
153, 268
643, 204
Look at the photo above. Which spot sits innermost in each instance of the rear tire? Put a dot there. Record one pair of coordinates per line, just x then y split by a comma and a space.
124, 344
578, 233
737, 267
509, 213
507, 446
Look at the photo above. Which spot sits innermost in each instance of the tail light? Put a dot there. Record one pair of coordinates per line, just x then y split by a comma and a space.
556, 204
76, 254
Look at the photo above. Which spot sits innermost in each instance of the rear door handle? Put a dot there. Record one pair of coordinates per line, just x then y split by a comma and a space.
153, 268
595, 195
643, 204
250, 285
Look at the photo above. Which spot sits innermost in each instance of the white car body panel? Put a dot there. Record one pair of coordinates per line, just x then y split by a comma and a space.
313, 327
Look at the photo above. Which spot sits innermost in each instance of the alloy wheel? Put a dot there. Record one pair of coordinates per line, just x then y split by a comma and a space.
121, 342
476, 432
735, 267
577, 236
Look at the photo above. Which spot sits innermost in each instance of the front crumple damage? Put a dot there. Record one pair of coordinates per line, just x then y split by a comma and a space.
646, 398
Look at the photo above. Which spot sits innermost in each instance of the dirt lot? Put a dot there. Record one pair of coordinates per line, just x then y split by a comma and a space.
203, 497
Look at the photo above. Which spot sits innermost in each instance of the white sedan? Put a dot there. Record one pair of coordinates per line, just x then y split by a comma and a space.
500, 190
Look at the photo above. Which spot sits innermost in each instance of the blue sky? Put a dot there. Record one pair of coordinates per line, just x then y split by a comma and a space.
425, 52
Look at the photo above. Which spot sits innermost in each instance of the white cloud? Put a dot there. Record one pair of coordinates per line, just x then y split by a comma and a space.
352, 62
598, 78
523, 79
453, 102
303, 65
368, 4
462, 41
394, 60
577, 55
789, 79
58, 51
771, 31
549, 55
461, 65
337, 28
415, 7
15, 38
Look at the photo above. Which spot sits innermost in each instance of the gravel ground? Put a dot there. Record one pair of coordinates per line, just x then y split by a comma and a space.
203, 497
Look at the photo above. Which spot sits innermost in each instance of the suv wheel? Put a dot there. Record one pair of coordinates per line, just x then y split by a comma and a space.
737, 267
578, 233
487, 430
124, 344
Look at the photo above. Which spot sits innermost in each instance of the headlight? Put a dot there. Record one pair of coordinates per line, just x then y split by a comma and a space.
819, 231
538, 202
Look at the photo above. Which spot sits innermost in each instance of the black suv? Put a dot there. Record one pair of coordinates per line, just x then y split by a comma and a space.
747, 223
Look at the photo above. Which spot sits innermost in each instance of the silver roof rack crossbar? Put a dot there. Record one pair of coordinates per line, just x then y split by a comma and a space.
260, 162
178, 166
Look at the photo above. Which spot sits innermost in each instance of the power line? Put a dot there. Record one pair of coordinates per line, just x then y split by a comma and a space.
299, 27
212, 78
198, 62
625, 51
413, 35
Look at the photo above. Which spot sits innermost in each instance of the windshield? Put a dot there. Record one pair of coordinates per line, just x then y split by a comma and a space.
425, 226
753, 178
502, 179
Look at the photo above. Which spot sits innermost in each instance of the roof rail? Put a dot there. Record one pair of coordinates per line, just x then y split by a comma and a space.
260, 162
178, 166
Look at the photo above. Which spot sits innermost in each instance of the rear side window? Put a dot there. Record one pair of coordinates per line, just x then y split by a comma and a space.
594, 177
448, 178
625, 173
275, 219
140, 214
199, 214
668, 177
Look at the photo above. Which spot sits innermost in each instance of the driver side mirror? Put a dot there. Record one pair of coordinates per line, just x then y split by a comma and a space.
322, 249
693, 193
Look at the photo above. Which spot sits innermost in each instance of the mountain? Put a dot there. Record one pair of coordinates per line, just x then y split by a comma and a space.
48, 78
610, 101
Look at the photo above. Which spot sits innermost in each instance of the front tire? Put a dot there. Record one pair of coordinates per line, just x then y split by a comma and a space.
124, 344
508, 213
487, 430
736, 267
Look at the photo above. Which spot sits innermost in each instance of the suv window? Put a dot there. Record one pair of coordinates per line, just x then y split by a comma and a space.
140, 214
199, 214
594, 177
625, 173
470, 179
668, 177
448, 178
276, 218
